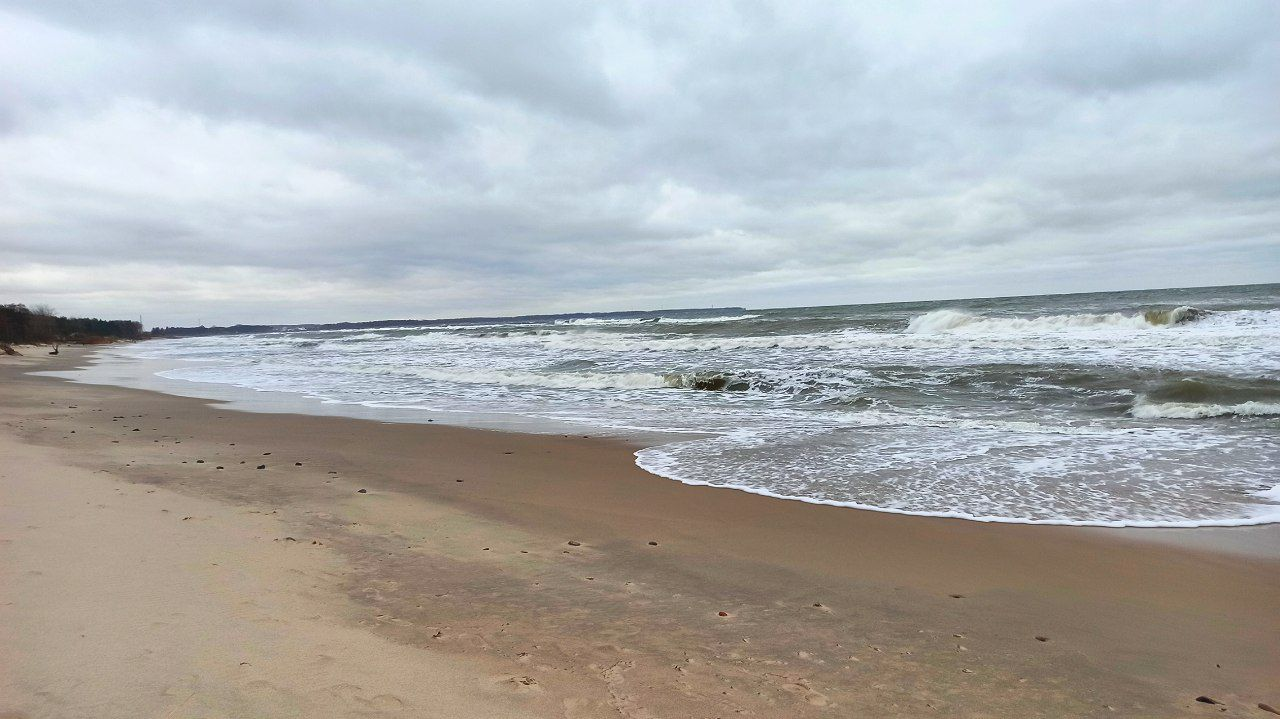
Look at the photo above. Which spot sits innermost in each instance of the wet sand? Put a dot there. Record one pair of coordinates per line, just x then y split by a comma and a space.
483, 573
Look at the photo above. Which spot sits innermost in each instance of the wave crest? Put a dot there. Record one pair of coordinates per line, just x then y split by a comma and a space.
1200, 410
940, 321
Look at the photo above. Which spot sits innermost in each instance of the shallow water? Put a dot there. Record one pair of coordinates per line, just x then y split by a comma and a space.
1121, 409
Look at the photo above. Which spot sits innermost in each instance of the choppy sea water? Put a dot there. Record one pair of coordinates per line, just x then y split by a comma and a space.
1149, 408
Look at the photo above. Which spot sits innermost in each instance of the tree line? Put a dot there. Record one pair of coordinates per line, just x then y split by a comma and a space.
39, 324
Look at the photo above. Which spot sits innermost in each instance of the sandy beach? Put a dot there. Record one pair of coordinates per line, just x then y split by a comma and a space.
167, 557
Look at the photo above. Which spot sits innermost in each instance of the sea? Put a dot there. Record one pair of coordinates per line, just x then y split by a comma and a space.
1156, 408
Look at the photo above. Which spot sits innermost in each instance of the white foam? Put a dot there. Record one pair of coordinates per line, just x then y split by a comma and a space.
653, 465
957, 321
557, 380
1199, 410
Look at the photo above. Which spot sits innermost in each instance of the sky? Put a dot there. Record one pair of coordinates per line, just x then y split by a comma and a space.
279, 161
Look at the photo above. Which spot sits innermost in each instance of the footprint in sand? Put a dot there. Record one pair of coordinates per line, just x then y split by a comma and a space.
802, 689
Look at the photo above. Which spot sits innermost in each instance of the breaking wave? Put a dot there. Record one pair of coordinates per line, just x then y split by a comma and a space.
1199, 410
956, 320
1199, 398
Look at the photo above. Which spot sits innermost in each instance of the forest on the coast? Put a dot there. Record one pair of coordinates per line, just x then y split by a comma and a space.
40, 324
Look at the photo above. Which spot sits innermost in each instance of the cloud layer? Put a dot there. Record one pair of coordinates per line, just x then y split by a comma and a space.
312, 161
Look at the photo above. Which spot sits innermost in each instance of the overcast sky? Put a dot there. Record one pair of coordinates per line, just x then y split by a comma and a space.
275, 161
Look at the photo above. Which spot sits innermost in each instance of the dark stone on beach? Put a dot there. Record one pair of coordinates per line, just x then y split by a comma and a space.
137, 430
218, 467
262, 466
956, 596
1207, 700
265, 454
362, 491
458, 480
1268, 708
653, 544
1042, 639
574, 543
297, 464
199, 461
722, 614
818, 605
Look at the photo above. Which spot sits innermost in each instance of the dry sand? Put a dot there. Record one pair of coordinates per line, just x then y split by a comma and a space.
486, 574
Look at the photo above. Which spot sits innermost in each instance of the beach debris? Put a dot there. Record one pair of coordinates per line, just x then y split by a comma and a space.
1042, 639
137, 430
362, 490
1268, 708
262, 466
290, 539
266, 454
1207, 700
199, 461
9, 350
956, 596
817, 605
219, 467
185, 518
297, 464
653, 544
574, 543
722, 614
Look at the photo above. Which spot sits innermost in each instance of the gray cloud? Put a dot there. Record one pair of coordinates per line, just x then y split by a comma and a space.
291, 161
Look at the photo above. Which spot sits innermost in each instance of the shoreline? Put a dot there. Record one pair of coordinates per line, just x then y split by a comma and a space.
851, 608
1260, 538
